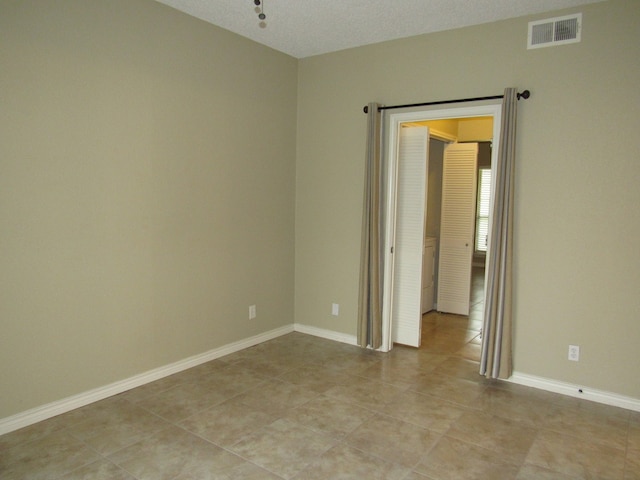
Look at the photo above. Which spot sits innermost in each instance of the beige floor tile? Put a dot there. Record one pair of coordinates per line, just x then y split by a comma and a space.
321, 355
461, 368
477, 340
173, 452
608, 426
508, 438
100, 470
366, 392
276, 397
447, 333
187, 399
298, 351
445, 320
585, 407
426, 411
450, 388
284, 447
235, 357
153, 388
511, 404
242, 471
532, 472
330, 415
403, 379
477, 322
416, 476
116, 426
476, 309
396, 372
351, 362
347, 463
209, 368
452, 459
32, 432
297, 347
184, 401
414, 358
227, 423
315, 377
530, 393
470, 351
234, 378
575, 456
319, 351
94, 409
446, 344
632, 465
429, 328
634, 435
46, 458
393, 440
267, 367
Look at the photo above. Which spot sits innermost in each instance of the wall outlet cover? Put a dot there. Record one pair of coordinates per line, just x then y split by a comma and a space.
574, 353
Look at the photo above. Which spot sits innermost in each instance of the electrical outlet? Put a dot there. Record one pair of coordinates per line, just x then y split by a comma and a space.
335, 309
574, 353
252, 312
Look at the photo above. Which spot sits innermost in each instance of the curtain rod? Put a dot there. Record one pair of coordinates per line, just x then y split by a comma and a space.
525, 94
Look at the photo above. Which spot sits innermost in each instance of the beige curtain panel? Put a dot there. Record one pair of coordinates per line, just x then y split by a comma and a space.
370, 296
496, 356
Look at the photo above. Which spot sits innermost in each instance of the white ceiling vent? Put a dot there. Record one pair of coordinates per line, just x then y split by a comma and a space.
554, 31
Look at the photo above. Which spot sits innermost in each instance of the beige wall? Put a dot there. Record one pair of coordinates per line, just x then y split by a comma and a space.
147, 182
577, 263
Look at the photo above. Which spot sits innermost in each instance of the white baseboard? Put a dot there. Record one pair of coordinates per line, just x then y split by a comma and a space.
328, 334
49, 410
577, 391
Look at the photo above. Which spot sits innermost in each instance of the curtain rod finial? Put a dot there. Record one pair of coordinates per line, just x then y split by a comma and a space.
525, 94
366, 109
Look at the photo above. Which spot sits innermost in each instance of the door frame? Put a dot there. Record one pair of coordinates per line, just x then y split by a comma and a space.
391, 187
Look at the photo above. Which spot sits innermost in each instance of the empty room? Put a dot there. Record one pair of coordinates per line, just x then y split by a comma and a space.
207, 267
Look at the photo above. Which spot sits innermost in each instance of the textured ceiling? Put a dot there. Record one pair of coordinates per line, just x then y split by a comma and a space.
302, 28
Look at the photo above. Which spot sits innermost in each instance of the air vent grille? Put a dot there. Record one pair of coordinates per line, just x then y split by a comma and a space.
555, 31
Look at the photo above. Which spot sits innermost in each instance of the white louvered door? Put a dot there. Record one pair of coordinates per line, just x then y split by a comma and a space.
409, 236
457, 227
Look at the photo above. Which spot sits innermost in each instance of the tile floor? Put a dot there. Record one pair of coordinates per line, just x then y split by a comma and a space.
301, 407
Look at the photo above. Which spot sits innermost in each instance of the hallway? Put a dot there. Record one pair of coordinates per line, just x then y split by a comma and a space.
458, 335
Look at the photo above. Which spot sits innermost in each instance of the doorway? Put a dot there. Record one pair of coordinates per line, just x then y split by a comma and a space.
457, 335
394, 187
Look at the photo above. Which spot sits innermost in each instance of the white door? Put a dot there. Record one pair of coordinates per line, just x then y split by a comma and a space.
409, 235
457, 227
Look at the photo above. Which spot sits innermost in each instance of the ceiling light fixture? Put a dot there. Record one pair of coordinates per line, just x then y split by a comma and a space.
260, 11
